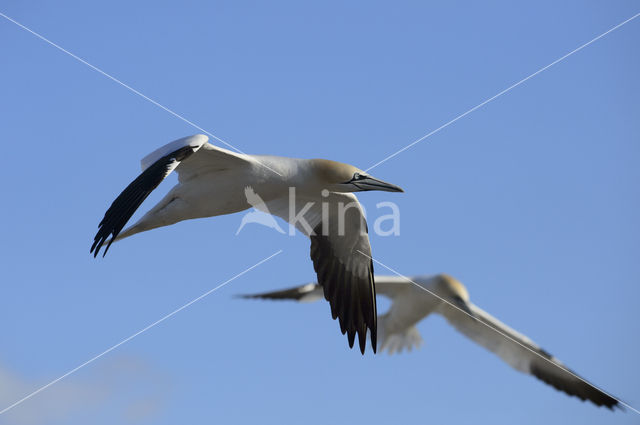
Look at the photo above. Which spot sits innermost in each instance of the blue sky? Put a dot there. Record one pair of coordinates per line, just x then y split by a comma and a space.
532, 201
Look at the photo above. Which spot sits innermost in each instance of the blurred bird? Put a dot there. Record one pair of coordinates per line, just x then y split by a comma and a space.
211, 181
415, 298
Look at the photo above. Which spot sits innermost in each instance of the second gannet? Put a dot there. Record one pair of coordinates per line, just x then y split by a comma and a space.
311, 194
415, 298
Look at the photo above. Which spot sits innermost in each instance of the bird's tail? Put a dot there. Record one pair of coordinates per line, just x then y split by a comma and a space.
163, 214
396, 342
141, 226
129, 231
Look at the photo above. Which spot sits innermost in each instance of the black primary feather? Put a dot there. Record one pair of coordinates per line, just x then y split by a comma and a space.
352, 297
133, 196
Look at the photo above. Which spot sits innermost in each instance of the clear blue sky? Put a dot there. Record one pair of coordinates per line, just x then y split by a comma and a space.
532, 201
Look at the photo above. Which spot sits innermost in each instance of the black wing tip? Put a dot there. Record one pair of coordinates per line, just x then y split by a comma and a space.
98, 243
362, 339
126, 204
374, 338
585, 391
351, 296
611, 403
95, 248
349, 327
615, 405
290, 294
258, 297
351, 336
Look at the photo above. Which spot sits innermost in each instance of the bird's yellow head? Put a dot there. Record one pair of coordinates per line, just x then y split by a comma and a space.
454, 292
341, 177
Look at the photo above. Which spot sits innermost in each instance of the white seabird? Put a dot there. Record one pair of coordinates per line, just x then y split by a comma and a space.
444, 295
212, 181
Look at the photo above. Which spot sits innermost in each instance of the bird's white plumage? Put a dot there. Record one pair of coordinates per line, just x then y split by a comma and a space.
211, 159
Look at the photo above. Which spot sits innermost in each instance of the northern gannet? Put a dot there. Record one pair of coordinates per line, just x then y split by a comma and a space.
415, 298
311, 194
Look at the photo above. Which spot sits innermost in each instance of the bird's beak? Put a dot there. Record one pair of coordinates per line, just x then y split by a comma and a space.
369, 183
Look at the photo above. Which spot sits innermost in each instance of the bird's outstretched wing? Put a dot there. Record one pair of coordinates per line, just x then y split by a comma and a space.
306, 293
190, 156
524, 355
156, 166
341, 257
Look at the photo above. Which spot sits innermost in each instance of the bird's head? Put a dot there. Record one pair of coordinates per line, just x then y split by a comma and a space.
451, 290
341, 177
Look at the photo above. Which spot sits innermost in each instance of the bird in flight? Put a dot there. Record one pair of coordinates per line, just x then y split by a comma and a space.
211, 182
414, 298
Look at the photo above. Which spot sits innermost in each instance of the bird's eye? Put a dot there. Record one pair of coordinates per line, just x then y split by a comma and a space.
357, 176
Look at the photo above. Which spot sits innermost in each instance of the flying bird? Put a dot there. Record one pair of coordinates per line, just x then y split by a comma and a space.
211, 182
415, 298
